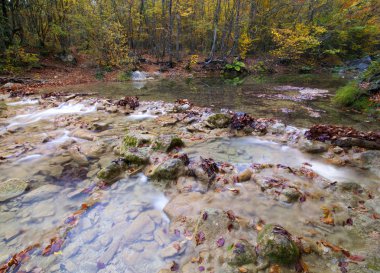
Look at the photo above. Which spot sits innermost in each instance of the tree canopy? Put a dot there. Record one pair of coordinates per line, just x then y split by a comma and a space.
116, 32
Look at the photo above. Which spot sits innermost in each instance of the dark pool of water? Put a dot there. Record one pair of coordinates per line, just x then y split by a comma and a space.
258, 96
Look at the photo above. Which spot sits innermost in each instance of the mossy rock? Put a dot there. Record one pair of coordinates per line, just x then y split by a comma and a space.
168, 170
167, 143
137, 156
134, 140
12, 188
241, 253
276, 244
218, 121
112, 171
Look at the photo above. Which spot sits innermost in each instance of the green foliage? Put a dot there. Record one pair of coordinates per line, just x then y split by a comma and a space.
235, 66
372, 70
16, 59
124, 76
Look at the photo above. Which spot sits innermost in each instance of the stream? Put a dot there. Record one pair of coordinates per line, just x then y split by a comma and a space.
136, 224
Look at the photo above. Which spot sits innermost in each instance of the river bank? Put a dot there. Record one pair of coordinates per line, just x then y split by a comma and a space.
113, 184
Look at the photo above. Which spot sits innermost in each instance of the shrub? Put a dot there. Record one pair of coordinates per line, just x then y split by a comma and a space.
15, 59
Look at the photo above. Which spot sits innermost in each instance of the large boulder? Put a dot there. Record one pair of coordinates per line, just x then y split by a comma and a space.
171, 169
277, 245
218, 121
12, 188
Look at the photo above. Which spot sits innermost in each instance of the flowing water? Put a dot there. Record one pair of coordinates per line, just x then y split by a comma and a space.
126, 230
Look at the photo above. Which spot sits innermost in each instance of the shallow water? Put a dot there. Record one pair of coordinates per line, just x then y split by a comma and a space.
286, 97
126, 230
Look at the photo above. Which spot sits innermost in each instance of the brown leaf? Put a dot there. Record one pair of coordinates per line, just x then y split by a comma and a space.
275, 269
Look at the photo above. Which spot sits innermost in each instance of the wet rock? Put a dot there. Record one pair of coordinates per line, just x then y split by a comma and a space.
84, 134
99, 126
245, 175
350, 187
12, 188
77, 156
242, 253
369, 160
167, 143
276, 244
171, 169
93, 150
112, 171
312, 147
214, 223
338, 150
277, 128
42, 193
137, 156
218, 121
167, 120
350, 142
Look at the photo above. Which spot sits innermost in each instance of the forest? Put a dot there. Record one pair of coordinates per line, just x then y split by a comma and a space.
117, 33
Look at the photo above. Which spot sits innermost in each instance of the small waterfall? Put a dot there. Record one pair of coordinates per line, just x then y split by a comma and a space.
139, 76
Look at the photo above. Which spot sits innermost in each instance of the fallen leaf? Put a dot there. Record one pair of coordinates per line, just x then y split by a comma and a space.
327, 216
275, 269
242, 269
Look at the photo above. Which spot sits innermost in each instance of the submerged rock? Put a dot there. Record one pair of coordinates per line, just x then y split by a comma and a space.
171, 169
12, 188
218, 121
276, 244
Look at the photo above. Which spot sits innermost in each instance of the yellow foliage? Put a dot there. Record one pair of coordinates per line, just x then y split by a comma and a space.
293, 43
245, 43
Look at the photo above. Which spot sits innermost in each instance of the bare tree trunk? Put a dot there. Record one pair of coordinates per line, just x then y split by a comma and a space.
170, 48
237, 29
216, 21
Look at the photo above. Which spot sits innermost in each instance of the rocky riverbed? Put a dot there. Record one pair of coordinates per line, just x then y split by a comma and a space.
99, 185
